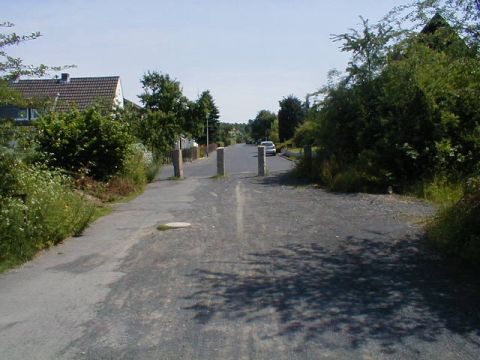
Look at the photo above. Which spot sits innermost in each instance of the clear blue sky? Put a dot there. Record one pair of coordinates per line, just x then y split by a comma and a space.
249, 54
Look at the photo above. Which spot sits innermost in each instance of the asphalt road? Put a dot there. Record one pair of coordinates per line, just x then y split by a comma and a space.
269, 269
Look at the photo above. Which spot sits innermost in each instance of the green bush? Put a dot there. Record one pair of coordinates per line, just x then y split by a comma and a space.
8, 168
134, 167
355, 180
284, 145
455, 231
337, 176
89, 142
305, 134
40, 211
139, 166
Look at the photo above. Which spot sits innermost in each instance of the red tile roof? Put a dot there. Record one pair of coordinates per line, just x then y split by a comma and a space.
81, 92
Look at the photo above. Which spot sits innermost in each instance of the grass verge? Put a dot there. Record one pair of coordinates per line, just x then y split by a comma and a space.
218, 176
164, 227
455, 230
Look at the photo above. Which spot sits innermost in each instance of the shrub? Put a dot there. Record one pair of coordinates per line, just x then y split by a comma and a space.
138, 169
284, 145
338, 176
88, 142
139, 166
42, 210
355, 180
306, 134
455, 231
134, 166
8, 167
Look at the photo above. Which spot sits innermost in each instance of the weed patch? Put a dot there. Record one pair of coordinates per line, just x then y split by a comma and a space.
218, 176
455, 231
164, 227
48, 212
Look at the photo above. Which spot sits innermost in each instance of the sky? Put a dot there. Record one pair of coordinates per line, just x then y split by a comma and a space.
249, 54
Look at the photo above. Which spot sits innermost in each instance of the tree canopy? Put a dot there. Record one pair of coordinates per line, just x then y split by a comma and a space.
10, 66
169, 113
290, 115
407, 106
264, 127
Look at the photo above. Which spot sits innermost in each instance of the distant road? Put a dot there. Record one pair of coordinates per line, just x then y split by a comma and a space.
240, 158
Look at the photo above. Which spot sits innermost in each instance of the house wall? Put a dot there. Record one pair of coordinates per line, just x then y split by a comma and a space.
118, 100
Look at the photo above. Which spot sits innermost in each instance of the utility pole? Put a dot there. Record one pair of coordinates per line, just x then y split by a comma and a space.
208, 114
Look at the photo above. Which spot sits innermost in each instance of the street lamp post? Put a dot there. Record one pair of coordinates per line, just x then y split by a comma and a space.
207, 132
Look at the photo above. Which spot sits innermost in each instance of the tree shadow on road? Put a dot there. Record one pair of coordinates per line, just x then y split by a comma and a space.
365, 290
284, 178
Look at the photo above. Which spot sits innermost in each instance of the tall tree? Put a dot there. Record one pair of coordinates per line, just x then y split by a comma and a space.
194, 120
368, 48
462, 15
166, 107
290, 115
208, 111
263, 126
161, 93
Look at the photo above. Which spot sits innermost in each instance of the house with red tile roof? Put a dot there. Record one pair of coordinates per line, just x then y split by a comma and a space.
62, 94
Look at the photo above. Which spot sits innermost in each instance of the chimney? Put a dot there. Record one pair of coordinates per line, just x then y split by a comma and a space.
15, 79
65, 78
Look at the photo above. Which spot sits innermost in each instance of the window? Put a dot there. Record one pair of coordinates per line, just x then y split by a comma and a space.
22, 115
34, 114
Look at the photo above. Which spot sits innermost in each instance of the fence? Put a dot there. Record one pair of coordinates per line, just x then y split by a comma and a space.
195, 153
211, 149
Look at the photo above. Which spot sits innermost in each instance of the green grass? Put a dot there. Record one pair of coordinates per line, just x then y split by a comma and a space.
455, 230
218, 176
439, 191
164, 227
50, 212
99, 212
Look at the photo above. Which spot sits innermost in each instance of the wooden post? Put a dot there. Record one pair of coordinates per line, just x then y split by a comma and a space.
177, 164
221, 161
262, 161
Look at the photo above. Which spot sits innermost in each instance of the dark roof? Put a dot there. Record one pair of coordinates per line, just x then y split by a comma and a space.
80, 92
127, 102
435, 23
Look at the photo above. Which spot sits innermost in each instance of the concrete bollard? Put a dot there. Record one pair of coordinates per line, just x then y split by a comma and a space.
221, 161
177, 164
262, 161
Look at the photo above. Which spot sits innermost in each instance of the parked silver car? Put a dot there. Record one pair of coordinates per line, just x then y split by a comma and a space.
269, 147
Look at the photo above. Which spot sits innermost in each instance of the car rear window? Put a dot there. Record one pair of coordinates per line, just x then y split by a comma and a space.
268, 143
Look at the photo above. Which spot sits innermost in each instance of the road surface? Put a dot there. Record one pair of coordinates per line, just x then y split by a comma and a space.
269, 269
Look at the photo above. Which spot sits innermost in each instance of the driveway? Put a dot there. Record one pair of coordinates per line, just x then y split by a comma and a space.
269, 269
